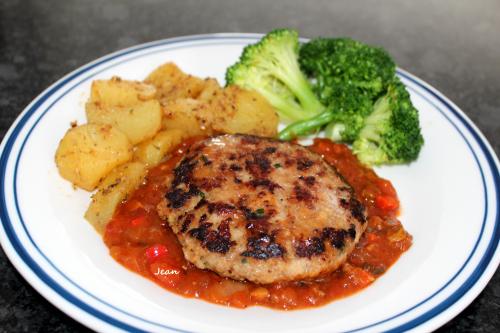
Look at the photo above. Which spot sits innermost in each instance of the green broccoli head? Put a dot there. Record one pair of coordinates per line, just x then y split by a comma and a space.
337, 61
271, 68
391, 133
349, 110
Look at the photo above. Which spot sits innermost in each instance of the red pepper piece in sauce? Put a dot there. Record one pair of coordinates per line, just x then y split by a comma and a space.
138, 221
156, 252
386, 187
386, 203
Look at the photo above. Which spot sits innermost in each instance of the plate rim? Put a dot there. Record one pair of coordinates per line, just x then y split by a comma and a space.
29, 274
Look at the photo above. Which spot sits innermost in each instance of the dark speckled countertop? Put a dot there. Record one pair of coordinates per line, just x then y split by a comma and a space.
453, 45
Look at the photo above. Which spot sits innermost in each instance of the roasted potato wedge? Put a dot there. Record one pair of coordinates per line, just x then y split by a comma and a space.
87, 153
191, 116
210, 91
229, 110
118, 92
244, 111
113, 189
152, 151
172, 83
139, 121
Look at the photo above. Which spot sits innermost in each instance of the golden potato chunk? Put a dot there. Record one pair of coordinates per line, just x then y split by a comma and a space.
172, 83
111, 191
191, 116
244, 111
230, 110
89, 152
165, 75
210, 91
151, 152
139, 122
118, 92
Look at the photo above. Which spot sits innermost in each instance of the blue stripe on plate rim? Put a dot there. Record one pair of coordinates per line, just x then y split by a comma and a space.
233, 38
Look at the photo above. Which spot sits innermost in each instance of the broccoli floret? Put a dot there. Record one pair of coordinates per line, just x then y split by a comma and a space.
349, 112
391, 133
333, 62
271, 68
348, 76
345, 116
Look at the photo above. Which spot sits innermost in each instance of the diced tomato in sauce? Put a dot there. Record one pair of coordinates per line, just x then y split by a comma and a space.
139, 240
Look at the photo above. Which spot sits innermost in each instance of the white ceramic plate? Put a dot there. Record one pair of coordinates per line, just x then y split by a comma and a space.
450, 201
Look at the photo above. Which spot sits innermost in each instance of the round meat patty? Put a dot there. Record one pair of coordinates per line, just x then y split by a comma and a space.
261, 210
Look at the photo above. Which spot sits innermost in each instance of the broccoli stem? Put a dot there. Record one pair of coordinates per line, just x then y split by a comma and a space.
304, 127
286, 108
377, 120
293, 77
285, 67
334, 131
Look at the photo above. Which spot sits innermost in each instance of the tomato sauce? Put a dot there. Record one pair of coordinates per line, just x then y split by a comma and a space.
138, 239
